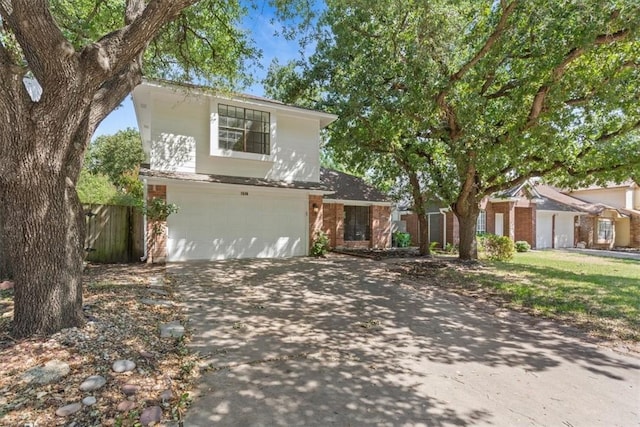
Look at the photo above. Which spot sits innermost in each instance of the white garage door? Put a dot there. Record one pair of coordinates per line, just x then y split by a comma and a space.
222, 224
545, 226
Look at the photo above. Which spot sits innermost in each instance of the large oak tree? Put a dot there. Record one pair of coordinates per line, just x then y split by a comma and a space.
464, 99
86, 56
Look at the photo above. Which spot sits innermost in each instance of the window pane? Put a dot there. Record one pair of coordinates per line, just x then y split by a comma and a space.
243, 129
356, 223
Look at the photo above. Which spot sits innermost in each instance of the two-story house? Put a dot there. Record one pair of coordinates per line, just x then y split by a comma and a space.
245, 174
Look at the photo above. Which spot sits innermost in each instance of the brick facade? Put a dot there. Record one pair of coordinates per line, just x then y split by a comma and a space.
452, 229
380, 217
413, 227
379, 221
634, 232
156, 247
315, 218
525, 225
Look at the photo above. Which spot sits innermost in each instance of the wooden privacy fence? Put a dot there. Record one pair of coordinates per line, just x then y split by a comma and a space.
113, 233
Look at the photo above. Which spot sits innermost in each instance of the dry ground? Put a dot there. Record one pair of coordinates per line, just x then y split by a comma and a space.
119, 327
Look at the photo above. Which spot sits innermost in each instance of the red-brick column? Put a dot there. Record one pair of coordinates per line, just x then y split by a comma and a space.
380, 217
156, 245
315, 218
634, 224
333, 223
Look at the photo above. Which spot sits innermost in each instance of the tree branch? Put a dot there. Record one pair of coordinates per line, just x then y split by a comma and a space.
493, 38
50, 56
558, 72
118, 48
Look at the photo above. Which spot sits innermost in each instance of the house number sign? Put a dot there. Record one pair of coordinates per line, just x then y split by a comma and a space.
244, 193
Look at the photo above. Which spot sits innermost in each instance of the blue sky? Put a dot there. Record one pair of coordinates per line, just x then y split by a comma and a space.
262, 29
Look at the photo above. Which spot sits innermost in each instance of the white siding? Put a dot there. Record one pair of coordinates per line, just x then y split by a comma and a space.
222, 223
615, 197
177, 128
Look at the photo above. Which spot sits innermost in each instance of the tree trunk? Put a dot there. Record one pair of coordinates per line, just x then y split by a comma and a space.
423, 226
467, 209
44, 226
5, 266
468, 248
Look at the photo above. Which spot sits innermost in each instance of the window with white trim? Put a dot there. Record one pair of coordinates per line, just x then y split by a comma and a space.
481, 224
605, 230
243, 129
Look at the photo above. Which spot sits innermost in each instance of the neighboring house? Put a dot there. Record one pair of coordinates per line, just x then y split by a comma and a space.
616, 222
547, 217
244, 172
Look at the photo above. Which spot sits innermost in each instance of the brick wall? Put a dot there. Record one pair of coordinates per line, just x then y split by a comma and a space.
412, 227
379, 221
156, 248
380, 217
525, 225
453, 229
634, 234
508, 211
315, 218
333, 223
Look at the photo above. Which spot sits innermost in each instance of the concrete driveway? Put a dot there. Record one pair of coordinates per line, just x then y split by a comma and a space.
341, 341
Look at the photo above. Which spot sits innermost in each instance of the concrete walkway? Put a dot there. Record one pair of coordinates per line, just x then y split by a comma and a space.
343, 342
608, 254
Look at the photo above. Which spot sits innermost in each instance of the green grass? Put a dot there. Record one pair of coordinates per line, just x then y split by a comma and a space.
601, 294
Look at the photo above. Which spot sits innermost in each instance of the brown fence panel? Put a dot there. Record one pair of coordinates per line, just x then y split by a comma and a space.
113, 233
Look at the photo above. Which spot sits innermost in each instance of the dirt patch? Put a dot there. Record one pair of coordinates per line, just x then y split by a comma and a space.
119, 326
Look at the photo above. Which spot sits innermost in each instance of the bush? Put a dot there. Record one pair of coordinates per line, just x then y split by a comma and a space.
402, 239
522, 246
320, 245
499, 248
451, 249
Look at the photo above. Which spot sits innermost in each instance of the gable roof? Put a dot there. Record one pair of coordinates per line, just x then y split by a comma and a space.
349, 187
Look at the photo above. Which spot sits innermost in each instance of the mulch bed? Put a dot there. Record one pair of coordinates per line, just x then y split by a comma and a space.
119, 327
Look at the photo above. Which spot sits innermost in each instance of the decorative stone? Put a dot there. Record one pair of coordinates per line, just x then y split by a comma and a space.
52, 371
89, 400
123, 366
171, 330
130, 389
126, 405
156, 281
67, 410
146, 354
93, 383
166, 395
150, 415
158, 291
156, 302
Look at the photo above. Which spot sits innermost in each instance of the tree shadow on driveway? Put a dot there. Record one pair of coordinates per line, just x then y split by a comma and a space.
342, 341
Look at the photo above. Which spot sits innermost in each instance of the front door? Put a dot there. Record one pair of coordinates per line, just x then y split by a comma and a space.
499, 224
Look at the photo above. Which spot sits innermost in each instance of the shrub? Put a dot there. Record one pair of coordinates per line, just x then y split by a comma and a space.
451, 249
433, 246
320, 245
402, 239
499, 248
522, 246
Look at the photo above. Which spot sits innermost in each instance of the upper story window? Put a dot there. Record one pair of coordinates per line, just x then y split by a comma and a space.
243, 129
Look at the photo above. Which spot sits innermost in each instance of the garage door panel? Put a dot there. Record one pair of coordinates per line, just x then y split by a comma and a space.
219, 225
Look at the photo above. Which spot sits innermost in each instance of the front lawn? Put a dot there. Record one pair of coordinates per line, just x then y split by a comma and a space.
601, 295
